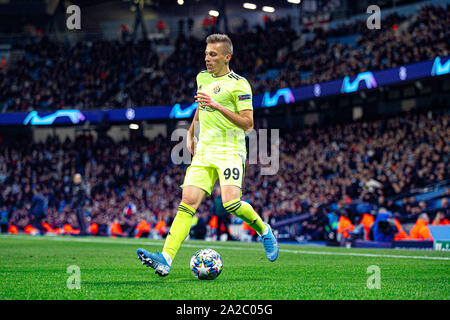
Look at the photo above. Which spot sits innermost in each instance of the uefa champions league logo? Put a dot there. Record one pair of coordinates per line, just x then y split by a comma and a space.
271, 101
33, 118
317, 90
177, 112
352, 86
130, 114
402, 73
439, 68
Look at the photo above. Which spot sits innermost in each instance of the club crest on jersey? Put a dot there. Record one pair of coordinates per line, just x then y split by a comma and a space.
216, 89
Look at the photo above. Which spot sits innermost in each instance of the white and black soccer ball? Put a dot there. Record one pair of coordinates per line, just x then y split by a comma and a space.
206, 264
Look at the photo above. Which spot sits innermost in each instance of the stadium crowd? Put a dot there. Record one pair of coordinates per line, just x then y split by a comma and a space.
423, 37
101, 73
176, 81
134, 182
54, 75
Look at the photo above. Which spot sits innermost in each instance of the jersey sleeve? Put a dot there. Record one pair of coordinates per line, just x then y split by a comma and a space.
199, 79
242, 95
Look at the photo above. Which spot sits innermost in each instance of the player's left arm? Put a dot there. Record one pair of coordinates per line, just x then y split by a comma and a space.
243, 119
242, 94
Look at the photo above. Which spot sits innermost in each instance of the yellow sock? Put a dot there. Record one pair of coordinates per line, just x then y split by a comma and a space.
245, 211
179, 229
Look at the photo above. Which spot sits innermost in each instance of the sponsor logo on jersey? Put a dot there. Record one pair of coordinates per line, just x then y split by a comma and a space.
206, 108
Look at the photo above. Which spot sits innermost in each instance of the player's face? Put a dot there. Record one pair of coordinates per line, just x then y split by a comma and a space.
215, 58
77, 178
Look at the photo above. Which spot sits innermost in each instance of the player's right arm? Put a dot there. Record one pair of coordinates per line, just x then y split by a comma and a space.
191, 132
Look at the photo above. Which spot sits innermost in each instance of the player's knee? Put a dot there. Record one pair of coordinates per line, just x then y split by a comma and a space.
192, 197
228, 201
230, 193
191, 201
232, 205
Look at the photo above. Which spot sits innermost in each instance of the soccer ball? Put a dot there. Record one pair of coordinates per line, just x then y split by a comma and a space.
206, 264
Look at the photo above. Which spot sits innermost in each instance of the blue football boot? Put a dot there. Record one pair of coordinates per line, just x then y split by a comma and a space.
270, 244
154, 260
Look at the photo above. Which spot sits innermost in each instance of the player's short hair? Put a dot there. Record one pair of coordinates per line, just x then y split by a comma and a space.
218, 37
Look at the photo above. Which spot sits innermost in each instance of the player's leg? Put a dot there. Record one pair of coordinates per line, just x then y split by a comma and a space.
231, 198
198, 182
231, 175
192, 196
234, 205
191, 199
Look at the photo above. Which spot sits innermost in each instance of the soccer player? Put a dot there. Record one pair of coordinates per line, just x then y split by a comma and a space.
224, 113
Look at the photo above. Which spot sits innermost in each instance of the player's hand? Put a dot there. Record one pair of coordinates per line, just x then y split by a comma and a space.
204, 99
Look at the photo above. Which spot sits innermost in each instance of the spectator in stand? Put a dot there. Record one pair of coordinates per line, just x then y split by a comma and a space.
190, 25
314, 227
345, 227
78, 200
161, 26
4, 217
401, 234
440, 219
125, 33
444, 205
223, 217
213, 24
115, 229
266, 20
143, 229
420, 231
206, 24
367, 222
38, 208
358, 232
181, 23
384, 229
199, 227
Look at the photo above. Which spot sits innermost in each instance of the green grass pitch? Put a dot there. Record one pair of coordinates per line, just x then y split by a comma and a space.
36, 268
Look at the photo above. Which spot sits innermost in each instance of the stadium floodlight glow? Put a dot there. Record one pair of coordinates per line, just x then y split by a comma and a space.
294, 1
180, 2
268, 9
213, 13
250, 6
134, 126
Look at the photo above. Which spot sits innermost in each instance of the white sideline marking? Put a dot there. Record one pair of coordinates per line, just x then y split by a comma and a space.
149, 243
